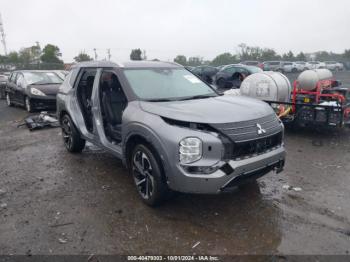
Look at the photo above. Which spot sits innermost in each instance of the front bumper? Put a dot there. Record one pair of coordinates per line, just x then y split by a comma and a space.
219, 181
44, 103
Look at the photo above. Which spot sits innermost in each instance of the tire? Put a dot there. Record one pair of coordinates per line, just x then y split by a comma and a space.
28, 105
146, 171
71, 137
8, 100
294, 70
221, 83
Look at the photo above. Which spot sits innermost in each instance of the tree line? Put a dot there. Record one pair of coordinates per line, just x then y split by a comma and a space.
49, 57
255, 53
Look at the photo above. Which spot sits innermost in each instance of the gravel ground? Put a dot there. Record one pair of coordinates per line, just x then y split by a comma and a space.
53, 202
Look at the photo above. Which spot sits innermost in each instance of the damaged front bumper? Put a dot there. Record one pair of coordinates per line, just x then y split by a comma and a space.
230, 175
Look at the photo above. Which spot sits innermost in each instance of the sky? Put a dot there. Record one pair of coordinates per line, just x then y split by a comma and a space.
166, 28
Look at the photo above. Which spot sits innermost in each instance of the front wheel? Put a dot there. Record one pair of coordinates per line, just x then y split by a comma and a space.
147, 174
71, 137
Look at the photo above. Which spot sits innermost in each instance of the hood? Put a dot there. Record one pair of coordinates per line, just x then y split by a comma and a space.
47, 89
215, 110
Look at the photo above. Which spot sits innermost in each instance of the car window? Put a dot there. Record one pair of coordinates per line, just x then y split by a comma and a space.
20, 80
13, 77
72, 75
165, 83
288, 63
230, 70
42, 78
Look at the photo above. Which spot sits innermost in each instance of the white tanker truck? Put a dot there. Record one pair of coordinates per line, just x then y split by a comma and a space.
315, 98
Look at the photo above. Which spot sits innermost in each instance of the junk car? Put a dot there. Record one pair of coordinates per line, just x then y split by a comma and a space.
33, 89
167, 126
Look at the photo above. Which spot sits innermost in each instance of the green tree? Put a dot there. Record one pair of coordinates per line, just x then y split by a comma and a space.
269, 54
289, 56
301, 57
195, 61
136, 54
346, 55
51, 54
25, 56
224, 59
181, 59
82, 56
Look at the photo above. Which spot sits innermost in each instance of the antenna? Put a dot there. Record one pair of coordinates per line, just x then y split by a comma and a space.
2, 32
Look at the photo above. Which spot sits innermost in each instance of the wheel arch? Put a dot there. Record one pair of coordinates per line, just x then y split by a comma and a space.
152, 142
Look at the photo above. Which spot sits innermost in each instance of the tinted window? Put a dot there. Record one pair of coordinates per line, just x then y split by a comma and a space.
165, 83
230, 70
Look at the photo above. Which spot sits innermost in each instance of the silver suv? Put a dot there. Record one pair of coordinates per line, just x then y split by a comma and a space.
172, 130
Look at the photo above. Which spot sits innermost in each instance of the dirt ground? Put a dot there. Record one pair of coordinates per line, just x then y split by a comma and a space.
53, 202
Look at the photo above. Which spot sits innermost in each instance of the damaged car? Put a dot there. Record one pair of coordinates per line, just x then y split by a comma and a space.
167, 127
33, 89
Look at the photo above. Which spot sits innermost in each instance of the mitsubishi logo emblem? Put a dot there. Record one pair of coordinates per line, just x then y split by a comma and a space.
260, 129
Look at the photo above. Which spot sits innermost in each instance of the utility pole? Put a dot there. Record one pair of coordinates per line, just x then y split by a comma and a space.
3, 36
95, 53
109, 54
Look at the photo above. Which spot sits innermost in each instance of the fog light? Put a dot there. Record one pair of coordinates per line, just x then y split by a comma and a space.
190, 150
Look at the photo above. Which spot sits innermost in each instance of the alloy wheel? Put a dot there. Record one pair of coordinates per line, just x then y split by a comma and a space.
142, 173
67, 133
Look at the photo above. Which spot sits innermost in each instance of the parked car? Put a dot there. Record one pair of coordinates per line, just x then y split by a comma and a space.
334, 66
252, 63
206, 73
315, 65
272, 65
288, 67
231, 76
61, 73
3, 81
300, 65
33, 89
168, 127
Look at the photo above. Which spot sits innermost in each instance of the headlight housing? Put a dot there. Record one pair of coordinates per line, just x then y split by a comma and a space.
36, 92
190, 150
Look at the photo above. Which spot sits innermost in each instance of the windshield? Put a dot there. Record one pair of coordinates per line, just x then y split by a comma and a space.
165, 83
41, 78
254, 69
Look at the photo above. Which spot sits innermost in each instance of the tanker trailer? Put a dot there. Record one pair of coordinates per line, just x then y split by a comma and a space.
315, 99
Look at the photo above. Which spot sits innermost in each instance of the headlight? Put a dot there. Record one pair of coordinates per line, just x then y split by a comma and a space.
36, 92
190, 150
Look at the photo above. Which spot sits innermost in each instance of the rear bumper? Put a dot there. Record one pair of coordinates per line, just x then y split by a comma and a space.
226, 179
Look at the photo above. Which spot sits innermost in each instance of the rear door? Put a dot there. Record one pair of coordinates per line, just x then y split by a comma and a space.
20, 88
11, 86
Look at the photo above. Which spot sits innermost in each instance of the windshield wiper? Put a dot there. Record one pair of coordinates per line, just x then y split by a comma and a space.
159, 100
41, 83
199, 97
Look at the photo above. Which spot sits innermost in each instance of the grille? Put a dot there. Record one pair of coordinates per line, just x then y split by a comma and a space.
256, 147
248, 130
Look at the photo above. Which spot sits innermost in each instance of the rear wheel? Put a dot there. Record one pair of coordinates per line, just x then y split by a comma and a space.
147, 173
28, 104
71, 137
8, 100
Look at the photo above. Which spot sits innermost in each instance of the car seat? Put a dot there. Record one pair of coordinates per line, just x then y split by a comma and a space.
113, 103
